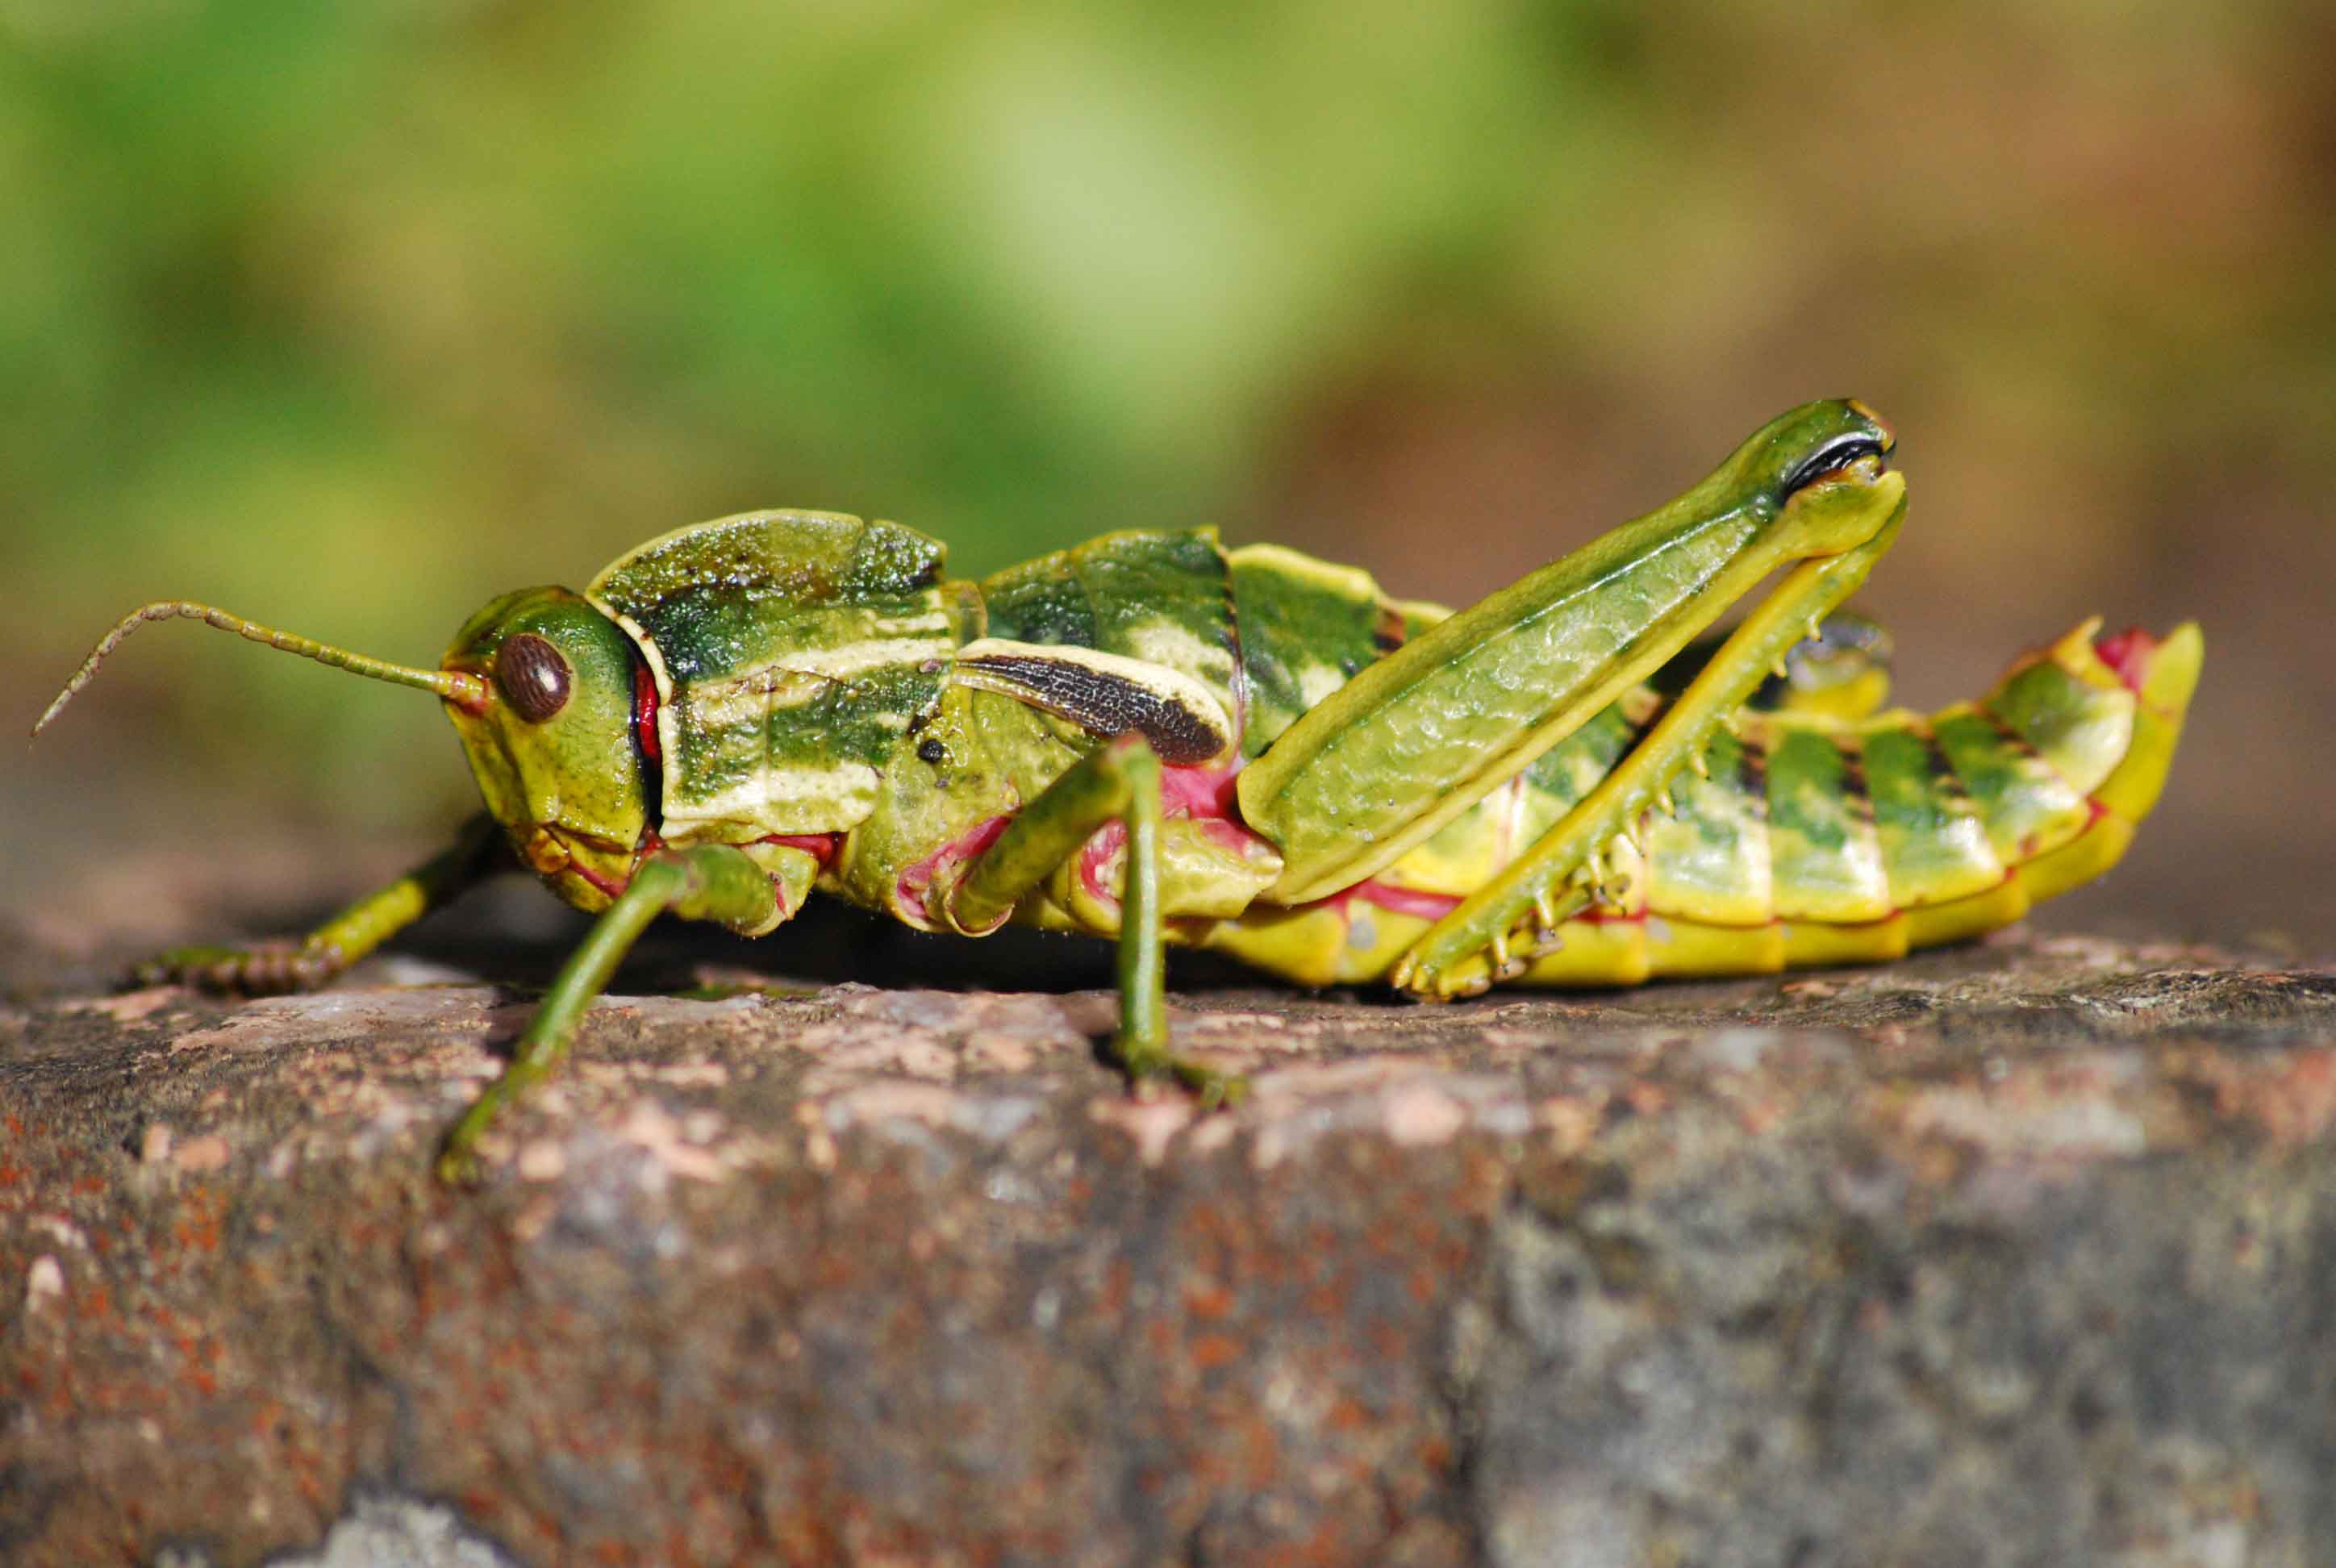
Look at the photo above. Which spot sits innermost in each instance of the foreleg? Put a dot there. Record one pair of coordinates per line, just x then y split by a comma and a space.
711, 882
344, 939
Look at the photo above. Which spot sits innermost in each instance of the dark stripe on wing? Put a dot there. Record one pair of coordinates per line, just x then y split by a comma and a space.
1106, 703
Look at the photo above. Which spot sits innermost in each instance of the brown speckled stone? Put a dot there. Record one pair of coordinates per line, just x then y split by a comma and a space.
2023, 1252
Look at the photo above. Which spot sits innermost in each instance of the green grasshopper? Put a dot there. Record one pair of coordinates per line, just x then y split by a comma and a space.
1152, 738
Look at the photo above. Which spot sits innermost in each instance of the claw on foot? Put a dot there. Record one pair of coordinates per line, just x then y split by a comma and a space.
455, 1167
1214, 1087
1213, 1090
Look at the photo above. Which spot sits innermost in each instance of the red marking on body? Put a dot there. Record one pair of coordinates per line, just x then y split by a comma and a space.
645, 714
2128, 652
611, 886
1395, 900
1206, 796
1201, 792
822, 847
1406, 901
1094, 854
915, 886
1210, 797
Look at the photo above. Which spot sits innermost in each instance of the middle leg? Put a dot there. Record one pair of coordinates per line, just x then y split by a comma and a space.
1120, 780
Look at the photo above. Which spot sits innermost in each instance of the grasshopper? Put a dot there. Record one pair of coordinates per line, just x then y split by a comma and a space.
1152, 738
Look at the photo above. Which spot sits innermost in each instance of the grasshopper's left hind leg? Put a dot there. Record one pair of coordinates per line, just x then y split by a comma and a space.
1414, 739
1118, 782
1479, 943
710, 882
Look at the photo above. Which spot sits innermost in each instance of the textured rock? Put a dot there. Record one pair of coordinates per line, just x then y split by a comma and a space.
2022, 1252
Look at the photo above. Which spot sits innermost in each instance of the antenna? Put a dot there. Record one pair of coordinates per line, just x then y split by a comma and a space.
464, 690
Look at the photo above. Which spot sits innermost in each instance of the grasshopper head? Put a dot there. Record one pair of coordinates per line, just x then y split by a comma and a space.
1821, 472
554, 742
543, 688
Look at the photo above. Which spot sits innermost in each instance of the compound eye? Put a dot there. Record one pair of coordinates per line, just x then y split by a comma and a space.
533, 677
1831, 457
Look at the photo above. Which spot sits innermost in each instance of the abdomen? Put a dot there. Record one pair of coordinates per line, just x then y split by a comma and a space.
1810, 842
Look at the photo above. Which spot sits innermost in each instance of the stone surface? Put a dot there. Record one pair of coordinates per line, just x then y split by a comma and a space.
2022, 1252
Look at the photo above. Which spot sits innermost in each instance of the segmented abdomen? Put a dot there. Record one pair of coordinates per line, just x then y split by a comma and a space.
1805, 840
1825, 841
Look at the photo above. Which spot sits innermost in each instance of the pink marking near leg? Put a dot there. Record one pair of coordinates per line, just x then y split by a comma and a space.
1101, 846
610, 886
1199, 792
1404, 900
820, 847
1205, 795
914, 888
1386, 896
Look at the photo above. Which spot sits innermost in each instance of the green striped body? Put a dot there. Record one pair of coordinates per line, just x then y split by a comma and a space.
1162, 597
806, 675
790, 650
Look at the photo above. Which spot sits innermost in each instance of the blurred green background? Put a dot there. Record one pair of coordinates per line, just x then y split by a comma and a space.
347, 318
